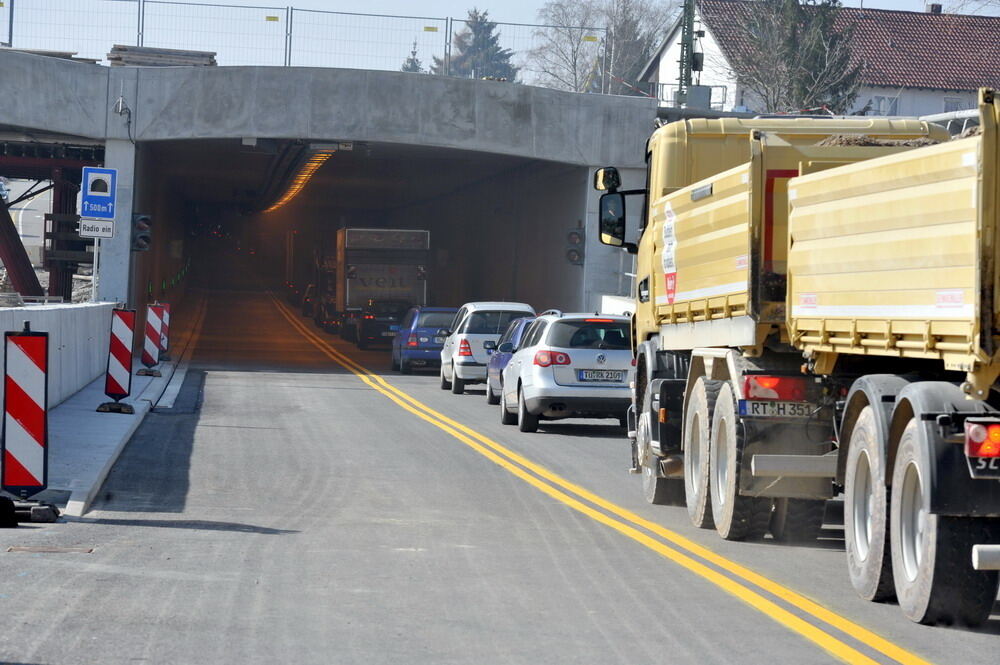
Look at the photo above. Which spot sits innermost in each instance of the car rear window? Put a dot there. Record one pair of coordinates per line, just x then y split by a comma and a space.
589, 334
435, 319
490, 322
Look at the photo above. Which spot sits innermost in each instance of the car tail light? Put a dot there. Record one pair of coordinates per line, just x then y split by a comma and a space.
464, 348
412, 340
785, 388
982, 439
368, 316
547, 358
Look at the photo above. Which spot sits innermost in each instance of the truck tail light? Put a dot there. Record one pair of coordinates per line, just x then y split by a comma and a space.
412, 340
784, 388
547, 358
982, 439
464, 348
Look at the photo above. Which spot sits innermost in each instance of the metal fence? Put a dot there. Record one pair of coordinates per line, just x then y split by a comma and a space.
271, 35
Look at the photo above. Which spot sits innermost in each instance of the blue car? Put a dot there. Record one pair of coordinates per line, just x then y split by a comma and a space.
501, 356
418, 342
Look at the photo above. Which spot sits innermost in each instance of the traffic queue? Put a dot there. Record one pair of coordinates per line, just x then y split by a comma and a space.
535, 367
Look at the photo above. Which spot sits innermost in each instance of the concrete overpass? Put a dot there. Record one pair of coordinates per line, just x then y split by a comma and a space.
498, 172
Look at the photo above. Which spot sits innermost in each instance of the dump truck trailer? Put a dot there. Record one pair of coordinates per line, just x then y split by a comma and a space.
893, 300
729, 416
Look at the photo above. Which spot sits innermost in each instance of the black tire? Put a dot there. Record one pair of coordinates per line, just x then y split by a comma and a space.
736, 517
697, 442
8, 516
457, 384
797, 520
491, 397
526, 422
445, 383
866, 512
506, 417
404, 367
932, 554
623, 421
656, 489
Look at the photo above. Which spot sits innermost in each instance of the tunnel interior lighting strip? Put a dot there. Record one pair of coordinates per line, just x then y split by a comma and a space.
302, 178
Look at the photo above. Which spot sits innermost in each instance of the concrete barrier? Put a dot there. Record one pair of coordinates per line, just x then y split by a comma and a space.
78, 342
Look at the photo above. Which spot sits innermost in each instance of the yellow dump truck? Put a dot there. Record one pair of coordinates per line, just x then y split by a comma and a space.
797, 292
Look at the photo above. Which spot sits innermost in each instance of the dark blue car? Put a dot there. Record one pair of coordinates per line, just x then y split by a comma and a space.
418, 344
499, 359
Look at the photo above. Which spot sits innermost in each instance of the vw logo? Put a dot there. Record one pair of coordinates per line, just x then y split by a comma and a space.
601, 359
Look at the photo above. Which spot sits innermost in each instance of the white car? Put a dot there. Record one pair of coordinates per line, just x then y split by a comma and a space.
568, 366
472, 336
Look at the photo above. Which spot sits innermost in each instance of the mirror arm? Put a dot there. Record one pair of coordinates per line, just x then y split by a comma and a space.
630, 192
631, 248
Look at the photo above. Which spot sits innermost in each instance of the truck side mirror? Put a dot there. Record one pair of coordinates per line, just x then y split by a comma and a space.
612, 219
607, 179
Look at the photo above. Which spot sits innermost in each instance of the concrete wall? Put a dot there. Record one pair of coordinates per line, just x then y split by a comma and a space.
78, 342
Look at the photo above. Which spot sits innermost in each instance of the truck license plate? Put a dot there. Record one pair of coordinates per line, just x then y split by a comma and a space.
774, 409
388, 333
604, 375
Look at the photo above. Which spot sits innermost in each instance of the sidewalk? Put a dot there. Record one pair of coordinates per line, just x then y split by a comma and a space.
84, 444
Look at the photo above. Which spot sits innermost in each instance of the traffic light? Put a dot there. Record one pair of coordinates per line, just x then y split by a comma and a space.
574, 246
142, 232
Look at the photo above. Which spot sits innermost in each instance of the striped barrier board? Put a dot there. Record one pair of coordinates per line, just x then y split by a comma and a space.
118, 378
165, 332
151, 341
25, 413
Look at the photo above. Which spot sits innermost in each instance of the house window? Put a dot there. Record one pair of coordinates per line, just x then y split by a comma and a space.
954, 104
884, 105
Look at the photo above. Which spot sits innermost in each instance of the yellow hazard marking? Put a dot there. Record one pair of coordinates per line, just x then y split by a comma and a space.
430, 28
510, 460
271, 18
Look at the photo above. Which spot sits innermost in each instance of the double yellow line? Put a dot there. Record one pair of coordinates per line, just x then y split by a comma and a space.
737, 583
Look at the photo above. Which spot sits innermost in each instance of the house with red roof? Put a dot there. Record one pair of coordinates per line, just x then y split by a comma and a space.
913, 63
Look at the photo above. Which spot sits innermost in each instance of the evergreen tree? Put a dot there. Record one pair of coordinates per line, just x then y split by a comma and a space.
476, 51
412, 63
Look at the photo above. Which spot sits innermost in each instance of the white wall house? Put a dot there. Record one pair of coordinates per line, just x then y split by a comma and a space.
915, 63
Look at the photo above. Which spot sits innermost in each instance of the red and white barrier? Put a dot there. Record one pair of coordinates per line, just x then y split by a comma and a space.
151, 341
165, 332
25, 406
118, 377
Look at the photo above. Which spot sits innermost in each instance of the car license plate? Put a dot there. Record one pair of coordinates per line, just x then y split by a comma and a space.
388, 333
604, 375
439, 340
775, 409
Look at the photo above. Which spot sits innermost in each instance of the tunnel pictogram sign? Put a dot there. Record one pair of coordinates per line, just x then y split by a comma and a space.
98, 193
25, 412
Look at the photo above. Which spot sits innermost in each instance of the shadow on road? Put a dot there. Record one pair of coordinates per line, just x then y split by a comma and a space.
198, 525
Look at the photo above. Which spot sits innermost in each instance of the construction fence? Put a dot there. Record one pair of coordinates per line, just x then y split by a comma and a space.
282, 36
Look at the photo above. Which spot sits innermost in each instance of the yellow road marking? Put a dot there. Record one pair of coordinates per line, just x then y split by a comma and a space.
497, 453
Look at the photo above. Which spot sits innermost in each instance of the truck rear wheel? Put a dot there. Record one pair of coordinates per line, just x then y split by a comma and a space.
656, 489
737, 517
797, 520
697, 442
932, 554
866, 512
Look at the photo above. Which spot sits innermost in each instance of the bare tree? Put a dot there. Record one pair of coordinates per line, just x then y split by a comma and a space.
795, 56
568, 54
633, 29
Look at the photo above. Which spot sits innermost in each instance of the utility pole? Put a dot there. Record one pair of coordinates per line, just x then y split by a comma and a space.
685, 80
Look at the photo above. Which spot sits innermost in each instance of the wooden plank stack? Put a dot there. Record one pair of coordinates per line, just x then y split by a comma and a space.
145, 56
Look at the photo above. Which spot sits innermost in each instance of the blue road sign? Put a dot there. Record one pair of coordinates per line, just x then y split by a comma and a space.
98, 193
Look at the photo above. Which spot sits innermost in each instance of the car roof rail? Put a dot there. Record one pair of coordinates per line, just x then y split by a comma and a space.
553, 312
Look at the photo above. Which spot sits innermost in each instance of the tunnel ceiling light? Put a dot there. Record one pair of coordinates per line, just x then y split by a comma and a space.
302, 178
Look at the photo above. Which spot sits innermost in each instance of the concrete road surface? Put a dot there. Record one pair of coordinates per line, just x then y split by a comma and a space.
289, 511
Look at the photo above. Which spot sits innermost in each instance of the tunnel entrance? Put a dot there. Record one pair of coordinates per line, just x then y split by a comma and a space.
498, 224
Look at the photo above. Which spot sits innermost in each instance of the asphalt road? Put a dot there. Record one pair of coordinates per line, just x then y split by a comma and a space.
289, 511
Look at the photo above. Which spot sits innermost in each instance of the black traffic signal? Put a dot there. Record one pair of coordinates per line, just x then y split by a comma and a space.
574, 246
142, 232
